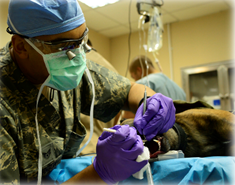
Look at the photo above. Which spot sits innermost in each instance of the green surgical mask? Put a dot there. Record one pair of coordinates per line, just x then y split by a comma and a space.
64, 74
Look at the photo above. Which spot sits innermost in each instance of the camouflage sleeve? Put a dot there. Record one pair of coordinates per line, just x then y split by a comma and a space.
9, 170
111, 92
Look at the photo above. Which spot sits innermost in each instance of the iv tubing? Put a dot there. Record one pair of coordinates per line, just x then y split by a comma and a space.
170, 49
149, 175
141, 23
91, 112
157, 62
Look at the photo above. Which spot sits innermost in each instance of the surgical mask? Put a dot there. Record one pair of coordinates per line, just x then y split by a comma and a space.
64, 74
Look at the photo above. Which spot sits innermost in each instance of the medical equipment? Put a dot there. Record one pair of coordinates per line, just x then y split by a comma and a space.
149, 175
139, 174
48, 47
145, 99
70, 54
172, 154
64, 74
109, 130
145, 6
155, 31
148, 170
150, 12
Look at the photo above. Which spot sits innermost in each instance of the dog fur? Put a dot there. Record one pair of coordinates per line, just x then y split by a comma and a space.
209, 132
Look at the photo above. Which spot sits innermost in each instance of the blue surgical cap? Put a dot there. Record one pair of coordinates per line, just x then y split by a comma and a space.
33, 18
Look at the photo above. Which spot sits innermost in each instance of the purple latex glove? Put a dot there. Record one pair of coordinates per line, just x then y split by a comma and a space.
117, 153
158, 118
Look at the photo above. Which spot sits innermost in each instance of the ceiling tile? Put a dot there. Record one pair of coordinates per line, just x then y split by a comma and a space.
84, 7
98, 22
134, 26
231, 3
120, 11
113, 19
201, 10
176, 5
116, 31
168, 18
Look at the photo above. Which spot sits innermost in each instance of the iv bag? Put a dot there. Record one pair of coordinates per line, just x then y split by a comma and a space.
155, 31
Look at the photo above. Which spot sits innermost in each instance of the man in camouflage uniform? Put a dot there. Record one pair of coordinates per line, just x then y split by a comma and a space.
22, 73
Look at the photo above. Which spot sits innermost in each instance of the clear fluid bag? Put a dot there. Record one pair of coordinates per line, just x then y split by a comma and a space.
155, 31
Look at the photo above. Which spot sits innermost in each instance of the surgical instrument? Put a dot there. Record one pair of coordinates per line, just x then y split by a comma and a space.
109, 130
148, 170
145, 99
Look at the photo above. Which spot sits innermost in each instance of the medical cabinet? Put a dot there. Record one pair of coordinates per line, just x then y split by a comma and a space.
212, 83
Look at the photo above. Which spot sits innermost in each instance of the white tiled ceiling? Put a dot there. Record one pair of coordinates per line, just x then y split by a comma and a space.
113, 20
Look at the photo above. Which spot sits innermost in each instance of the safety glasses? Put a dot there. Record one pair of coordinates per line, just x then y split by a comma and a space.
66, 44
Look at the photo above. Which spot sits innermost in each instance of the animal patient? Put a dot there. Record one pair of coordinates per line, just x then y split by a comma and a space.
197, 132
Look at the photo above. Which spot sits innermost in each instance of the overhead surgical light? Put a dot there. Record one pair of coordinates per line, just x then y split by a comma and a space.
97, 3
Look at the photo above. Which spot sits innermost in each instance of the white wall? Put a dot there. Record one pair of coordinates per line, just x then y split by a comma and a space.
4, 36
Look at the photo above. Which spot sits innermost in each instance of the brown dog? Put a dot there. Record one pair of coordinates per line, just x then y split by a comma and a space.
198, 133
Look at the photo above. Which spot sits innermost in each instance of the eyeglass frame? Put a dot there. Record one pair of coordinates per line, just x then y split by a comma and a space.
53, 43
65, 40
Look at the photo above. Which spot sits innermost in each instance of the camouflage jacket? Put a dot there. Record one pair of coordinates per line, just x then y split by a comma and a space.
60, 129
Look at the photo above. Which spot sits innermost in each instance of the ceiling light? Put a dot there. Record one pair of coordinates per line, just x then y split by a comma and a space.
97, 3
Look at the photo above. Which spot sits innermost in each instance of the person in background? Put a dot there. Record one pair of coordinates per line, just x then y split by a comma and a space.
46, 82
96, 57
158, 82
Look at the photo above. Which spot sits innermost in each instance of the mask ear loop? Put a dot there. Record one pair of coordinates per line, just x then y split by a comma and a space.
91, 112
157, 62
39, 141
36, 119
38, 136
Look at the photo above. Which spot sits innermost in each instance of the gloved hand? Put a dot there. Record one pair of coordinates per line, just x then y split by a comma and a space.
158, 118
117, 153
